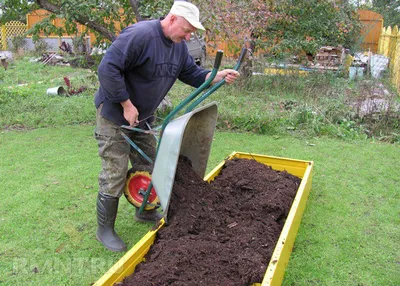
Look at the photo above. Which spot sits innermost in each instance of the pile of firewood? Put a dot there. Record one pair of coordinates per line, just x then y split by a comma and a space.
329, 56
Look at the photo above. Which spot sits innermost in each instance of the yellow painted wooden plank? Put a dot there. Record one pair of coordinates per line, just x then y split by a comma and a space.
280, 257
275, 71
386, 41
294, 167
126, 265
392, 48
380, 44
4, 38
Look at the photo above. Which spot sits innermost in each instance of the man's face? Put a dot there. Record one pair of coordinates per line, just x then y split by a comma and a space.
180, 30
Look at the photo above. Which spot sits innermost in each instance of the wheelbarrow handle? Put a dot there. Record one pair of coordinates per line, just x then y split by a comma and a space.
188, 99
218, 85
241, 58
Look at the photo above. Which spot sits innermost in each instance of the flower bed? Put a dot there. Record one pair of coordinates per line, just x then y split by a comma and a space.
226, 232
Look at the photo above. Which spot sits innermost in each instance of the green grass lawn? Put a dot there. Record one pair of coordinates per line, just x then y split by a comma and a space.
348, 236
25, 103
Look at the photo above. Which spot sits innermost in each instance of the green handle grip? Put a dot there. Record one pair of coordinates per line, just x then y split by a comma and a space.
218, 59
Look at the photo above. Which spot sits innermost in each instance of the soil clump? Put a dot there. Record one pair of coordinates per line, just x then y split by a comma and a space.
221, 233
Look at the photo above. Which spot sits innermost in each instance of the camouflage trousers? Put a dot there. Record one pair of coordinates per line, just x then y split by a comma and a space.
115, 153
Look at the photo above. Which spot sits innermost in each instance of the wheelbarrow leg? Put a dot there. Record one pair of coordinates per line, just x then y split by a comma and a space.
147, 215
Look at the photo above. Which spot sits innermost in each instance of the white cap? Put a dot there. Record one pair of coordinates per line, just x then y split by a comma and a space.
188, 11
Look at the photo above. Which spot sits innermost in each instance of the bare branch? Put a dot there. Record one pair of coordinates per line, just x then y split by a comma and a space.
81, 19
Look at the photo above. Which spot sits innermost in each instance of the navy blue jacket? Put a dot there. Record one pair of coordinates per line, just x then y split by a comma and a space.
142, 65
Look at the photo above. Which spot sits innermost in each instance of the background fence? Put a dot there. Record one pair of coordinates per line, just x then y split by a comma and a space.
39, 15
389, 46
14, 28
10, 30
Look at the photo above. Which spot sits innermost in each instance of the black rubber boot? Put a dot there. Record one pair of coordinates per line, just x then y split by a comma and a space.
148, 216
107, 208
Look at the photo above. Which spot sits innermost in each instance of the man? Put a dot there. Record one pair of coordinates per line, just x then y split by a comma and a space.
135, 74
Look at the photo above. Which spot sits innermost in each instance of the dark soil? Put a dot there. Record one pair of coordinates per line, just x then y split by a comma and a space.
221, 233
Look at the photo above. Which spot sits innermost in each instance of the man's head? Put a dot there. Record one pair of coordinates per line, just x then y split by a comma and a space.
182, 20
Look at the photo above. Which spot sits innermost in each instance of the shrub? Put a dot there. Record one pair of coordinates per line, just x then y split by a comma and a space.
79, 43
17, 42
40, 46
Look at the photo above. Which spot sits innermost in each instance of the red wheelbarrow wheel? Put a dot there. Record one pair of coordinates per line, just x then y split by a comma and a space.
137, 183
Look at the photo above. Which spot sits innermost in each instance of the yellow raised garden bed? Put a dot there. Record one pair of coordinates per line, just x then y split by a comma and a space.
280, 257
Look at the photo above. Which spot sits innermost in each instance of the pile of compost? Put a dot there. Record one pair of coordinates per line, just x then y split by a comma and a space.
221, 233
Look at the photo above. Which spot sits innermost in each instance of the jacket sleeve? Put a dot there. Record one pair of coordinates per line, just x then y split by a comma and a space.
111, 74
191, 73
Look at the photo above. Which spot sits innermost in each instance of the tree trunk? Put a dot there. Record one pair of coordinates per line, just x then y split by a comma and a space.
135, 7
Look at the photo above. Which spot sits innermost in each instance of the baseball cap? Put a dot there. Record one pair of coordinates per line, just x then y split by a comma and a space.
188, 11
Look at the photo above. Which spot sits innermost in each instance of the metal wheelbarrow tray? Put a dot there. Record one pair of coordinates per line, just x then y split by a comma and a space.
280, 257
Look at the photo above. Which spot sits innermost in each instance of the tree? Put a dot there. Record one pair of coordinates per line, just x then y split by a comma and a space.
15, 10
100, 16
284, 26
389, 9
235, 19
310, 24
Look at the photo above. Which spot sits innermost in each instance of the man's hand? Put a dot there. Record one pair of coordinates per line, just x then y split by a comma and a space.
131, 113
228, 74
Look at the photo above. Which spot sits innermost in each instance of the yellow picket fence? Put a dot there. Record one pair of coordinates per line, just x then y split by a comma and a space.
10, 30
389, 46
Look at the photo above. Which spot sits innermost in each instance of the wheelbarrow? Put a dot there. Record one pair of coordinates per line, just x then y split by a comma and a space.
189, 135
